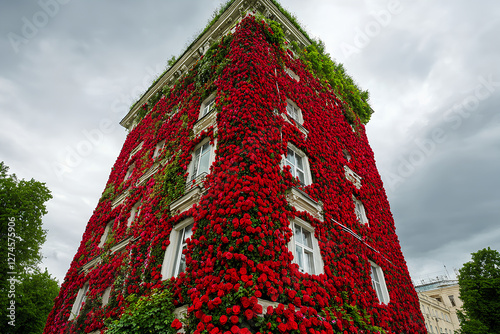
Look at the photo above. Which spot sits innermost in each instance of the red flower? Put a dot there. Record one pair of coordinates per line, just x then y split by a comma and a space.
234, 319
176, 324
223, 319
249, 314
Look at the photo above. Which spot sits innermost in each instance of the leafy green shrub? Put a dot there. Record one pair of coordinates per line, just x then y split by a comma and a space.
153, 313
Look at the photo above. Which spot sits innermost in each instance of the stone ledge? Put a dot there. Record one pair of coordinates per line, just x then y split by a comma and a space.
303, 202
354, 178
186, 201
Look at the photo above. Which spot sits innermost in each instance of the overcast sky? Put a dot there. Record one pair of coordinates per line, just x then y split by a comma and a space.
70, 70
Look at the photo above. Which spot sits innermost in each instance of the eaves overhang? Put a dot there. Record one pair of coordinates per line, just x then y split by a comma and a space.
236, 11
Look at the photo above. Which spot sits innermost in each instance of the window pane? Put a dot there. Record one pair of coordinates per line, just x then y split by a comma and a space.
300, 258
307, 240
299, 162
301, 176
204, 162
375, 274
188, 232
308, 262
180, 265
291, 157
196, 162
298, 234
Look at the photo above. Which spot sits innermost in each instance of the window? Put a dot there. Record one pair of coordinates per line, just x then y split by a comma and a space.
292, 74
299, 165
202, 159
129, 172
347, 155
305, 248
79, 301
294, 112
207, 106
105, 235
354, 178
105, 296
133, 213
359, 210
158, 149
135, 150
174, 262
452, 300
378, 283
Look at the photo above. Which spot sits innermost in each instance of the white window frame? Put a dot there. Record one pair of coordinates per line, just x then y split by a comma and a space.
134, 212
292, 74
305, 162
105, 296
105, 235
317, 259
354, 178
159, 148
382, 293
208, 106
211, 160
359, 211
290, 104
171, 261
80, 299
136, 149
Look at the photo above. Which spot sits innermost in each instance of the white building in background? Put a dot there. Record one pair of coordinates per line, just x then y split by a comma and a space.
439, 302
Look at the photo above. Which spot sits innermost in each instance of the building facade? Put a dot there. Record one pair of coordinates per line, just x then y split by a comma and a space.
247, 190
439, 302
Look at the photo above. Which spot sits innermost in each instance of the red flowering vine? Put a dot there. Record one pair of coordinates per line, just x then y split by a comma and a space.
238, 260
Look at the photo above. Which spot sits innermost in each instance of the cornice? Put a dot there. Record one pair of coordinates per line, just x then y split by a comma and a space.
235, 12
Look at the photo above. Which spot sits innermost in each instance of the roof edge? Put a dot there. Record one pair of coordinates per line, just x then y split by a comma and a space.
223, 25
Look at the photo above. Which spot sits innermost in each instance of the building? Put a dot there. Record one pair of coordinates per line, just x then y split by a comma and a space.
439, 302
247, 190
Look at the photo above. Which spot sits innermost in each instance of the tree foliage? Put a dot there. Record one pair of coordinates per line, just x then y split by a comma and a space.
34, 299
22, 284
479, 282
23, 201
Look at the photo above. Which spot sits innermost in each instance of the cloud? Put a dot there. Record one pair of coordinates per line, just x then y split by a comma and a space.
92, 59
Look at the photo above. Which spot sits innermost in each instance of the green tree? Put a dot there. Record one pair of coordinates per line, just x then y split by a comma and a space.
35, 296
479, 282
24, 289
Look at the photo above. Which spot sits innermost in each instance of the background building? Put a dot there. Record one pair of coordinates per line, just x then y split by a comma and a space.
247, 189
439, 302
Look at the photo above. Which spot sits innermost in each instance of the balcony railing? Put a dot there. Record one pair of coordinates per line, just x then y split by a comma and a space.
197, 181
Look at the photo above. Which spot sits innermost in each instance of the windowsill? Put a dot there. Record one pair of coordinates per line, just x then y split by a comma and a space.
205, 122
184, 203
147, 175
119, 200
141, 181
351, 176
303, 202
297, 124
122, 244
89, 265
135, 150
197, 182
